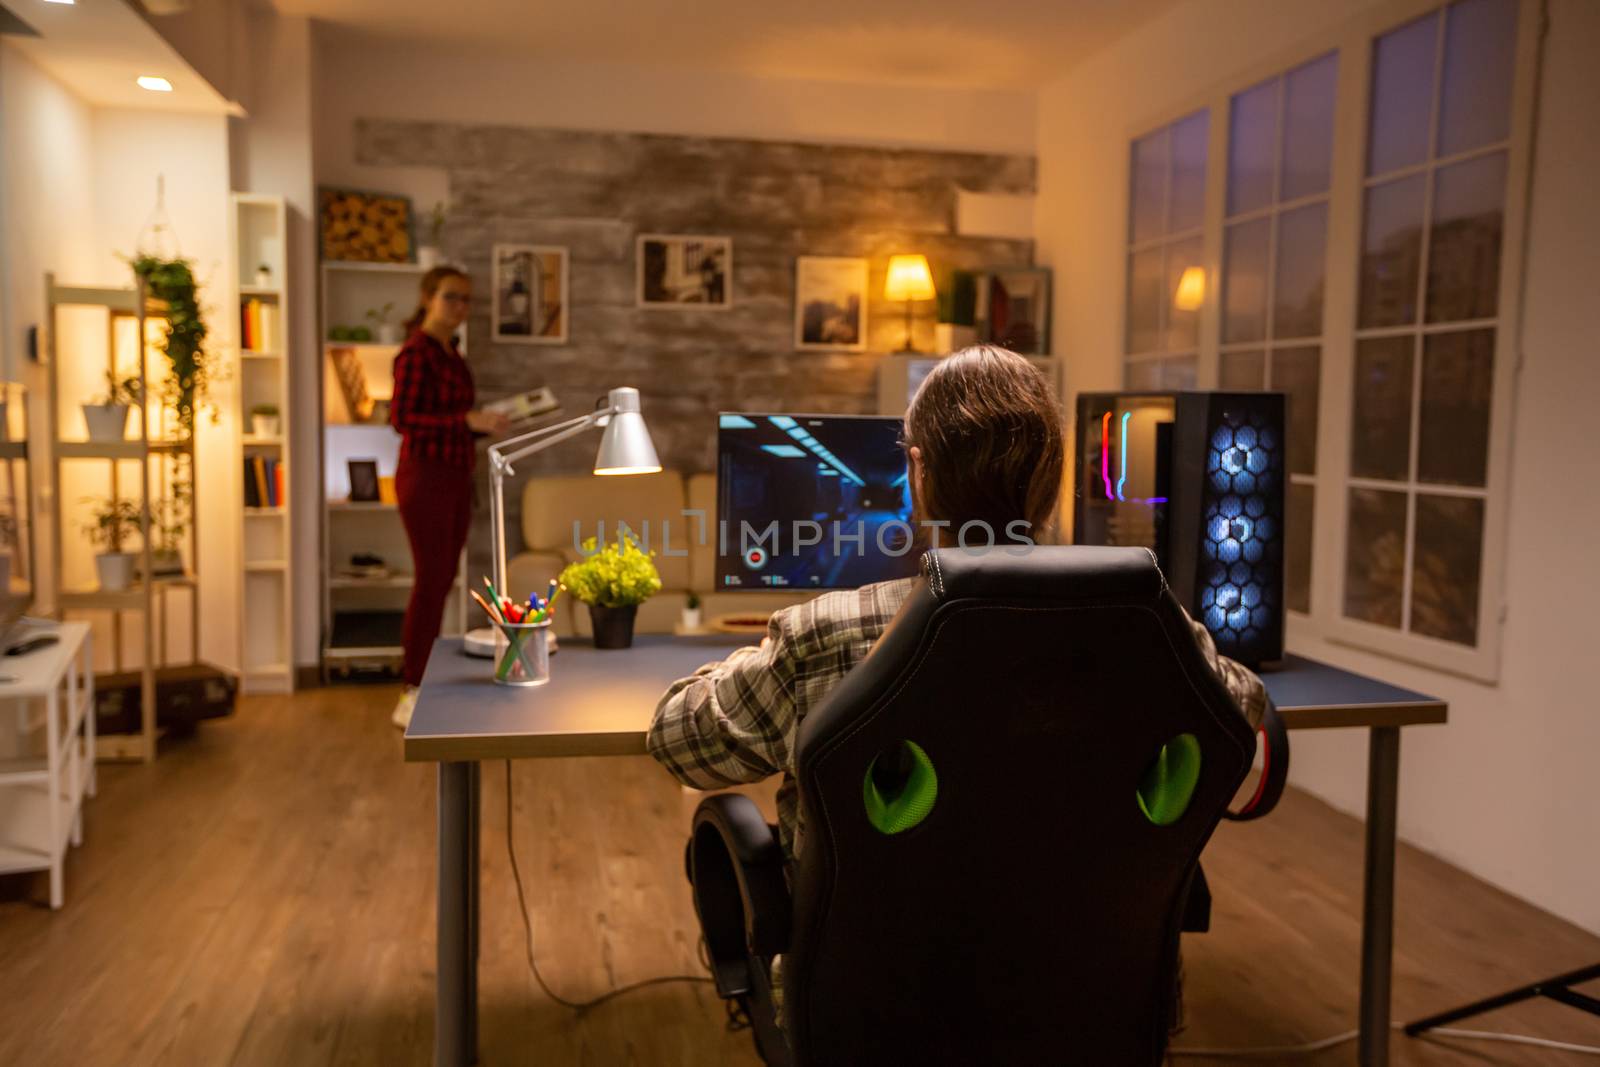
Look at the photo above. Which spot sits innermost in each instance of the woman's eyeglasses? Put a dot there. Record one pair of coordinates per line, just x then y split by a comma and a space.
458, 298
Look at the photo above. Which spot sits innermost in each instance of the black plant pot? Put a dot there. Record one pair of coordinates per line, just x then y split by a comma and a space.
613, 627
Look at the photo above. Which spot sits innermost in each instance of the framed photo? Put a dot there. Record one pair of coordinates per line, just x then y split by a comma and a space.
365, 227
685, 271
830, 303
1013, 309
363, 480
530, 294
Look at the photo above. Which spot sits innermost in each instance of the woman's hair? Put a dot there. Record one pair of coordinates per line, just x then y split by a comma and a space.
430, 285
991, 442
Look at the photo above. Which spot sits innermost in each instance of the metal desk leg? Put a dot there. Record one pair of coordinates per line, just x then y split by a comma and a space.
1377, 912
474, 832
455, 1000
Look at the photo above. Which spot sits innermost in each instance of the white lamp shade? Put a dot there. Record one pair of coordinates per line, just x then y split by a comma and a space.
625, 447
908, 278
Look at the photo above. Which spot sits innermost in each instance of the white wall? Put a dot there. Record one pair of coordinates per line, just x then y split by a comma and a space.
1505, 790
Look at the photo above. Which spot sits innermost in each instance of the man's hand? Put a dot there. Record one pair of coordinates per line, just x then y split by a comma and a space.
490, 422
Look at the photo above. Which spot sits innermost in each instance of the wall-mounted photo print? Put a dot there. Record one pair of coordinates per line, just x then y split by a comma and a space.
530, 294
830, 303
678, 271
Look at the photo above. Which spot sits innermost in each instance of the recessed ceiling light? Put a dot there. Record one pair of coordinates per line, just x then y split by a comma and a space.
69, 2
154, 84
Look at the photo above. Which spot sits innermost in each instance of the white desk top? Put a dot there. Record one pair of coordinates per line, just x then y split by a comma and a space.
36, 673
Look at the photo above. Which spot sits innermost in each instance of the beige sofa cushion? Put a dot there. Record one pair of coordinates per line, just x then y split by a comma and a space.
551, 504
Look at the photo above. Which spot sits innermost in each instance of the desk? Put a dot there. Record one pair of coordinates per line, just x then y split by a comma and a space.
599, 704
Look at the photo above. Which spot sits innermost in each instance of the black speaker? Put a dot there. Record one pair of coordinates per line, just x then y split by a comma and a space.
1198, 478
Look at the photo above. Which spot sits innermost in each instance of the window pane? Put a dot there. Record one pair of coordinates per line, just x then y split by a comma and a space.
1241, 371
1464, 241
1380, 425
1391, 253
1297, 287
1375, 556
1402, 95
1445, 573
1144, 300
1457, 383
1308, 100
1297, 549
1297, 371
1142, 374
1178, 373
1252, 140
1149, 193
1244, 285
1183, 313
1188, 173
1480, 44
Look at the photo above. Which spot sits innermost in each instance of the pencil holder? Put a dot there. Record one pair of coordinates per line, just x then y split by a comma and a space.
522, 653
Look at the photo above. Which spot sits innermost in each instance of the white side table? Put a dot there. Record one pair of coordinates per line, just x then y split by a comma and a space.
42, 786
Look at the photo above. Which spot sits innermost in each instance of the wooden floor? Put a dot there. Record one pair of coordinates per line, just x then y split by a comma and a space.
263, 894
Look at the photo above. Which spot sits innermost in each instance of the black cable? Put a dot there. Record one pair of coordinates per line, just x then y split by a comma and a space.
527, 930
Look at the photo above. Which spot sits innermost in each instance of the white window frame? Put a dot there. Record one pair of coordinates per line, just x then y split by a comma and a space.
1353, 41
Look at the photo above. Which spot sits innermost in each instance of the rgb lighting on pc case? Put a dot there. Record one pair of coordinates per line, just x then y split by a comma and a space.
1198, 478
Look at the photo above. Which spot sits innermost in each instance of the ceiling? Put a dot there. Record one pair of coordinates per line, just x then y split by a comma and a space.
971, 43
97, 48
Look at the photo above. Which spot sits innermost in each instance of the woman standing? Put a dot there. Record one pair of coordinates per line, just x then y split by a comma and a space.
433, 411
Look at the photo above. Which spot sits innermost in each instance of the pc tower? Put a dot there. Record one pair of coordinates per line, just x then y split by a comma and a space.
1198, 478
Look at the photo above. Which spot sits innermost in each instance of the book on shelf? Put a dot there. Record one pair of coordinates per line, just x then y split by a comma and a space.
260, 327
263, 482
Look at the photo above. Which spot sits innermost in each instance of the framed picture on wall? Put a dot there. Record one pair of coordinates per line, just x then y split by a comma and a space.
830, 303
530, 294
365, 227
685, 271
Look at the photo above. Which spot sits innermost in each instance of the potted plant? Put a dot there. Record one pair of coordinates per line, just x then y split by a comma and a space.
169, 523
388, 333
170, 284
691, 613
113, 521
613, 580
428, 255
264, 420
264, 275
957, 310
106, 416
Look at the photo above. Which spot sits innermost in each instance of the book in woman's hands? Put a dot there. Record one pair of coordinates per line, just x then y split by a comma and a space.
525, 407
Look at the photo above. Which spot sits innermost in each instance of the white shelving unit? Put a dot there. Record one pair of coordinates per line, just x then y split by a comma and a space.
362, 616
48, 768
265, 581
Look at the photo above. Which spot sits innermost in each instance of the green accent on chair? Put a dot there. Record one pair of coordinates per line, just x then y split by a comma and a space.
1168, 785
905, 807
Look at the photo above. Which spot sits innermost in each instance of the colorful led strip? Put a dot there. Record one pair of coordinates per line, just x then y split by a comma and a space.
1126, 415
1105, 452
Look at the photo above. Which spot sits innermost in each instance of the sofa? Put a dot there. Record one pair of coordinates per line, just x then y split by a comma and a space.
552, 503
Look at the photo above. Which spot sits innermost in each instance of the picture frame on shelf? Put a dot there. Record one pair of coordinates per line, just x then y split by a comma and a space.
830, 303
529, 289
1012, 309
360, 226
364, 484
684, 272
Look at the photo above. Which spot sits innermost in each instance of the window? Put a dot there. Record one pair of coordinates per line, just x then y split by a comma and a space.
1429, 281
1166, 282
1274, 250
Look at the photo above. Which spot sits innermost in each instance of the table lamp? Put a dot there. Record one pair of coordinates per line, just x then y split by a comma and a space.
625, 448
908, 279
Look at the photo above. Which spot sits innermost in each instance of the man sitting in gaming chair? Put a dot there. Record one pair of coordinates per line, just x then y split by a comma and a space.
984, 443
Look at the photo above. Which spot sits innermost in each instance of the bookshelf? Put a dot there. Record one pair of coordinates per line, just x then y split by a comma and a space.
261, 302
362, 615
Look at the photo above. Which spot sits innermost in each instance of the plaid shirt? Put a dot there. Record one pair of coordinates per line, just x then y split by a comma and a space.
738, 721
433, 392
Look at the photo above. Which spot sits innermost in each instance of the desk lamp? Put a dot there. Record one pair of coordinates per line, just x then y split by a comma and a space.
625, 448
908, 279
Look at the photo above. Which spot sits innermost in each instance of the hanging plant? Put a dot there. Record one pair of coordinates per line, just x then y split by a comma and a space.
171, 281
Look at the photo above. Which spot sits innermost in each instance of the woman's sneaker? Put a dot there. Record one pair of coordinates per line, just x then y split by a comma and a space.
404, 707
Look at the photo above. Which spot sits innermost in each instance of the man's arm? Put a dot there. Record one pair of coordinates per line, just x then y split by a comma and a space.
1240, 681
729, 722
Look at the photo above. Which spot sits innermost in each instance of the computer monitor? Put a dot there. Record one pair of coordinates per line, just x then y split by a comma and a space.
811, 502
1197, 477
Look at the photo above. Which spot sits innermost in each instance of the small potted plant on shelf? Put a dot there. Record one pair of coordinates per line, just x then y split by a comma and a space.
388, 333
106, 417
169, 524
264, 276
691, 613
264, 420
428, 254
613, 580
112, 523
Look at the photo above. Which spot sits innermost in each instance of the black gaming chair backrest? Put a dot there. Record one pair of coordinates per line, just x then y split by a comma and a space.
1032, 915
